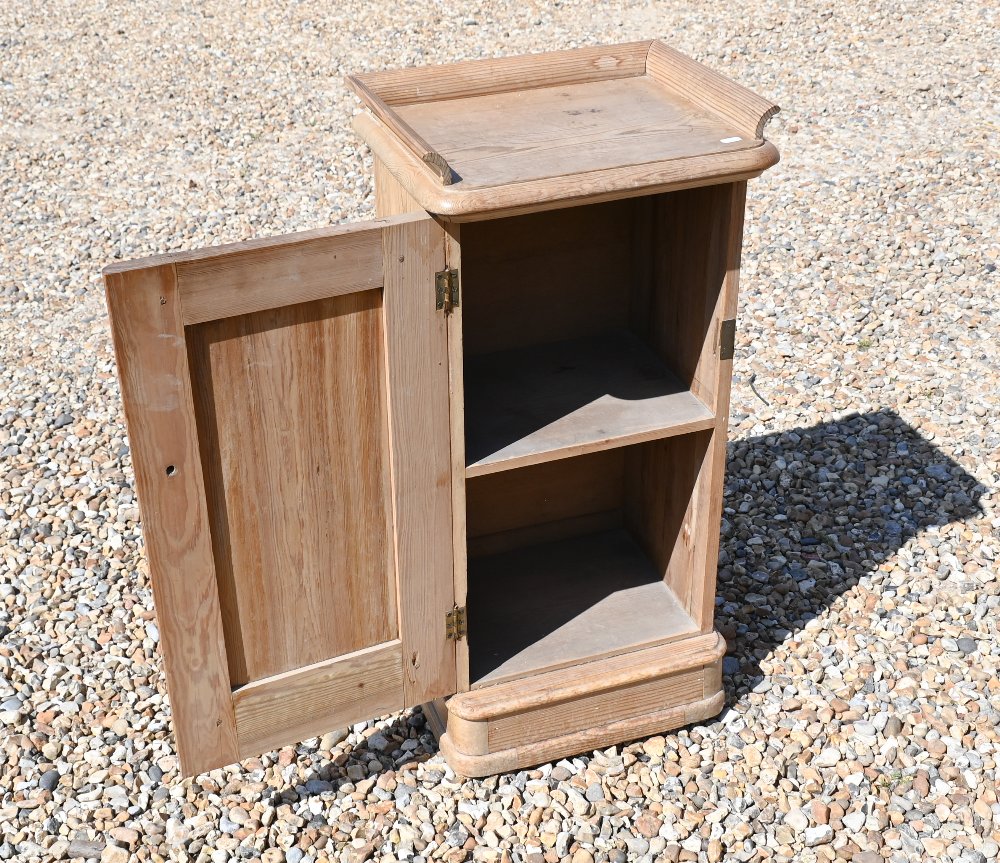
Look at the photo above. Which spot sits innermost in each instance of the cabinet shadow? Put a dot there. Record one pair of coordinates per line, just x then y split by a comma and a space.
827, 505
830, 504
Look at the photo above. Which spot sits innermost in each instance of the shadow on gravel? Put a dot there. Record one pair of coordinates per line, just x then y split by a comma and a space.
810, 511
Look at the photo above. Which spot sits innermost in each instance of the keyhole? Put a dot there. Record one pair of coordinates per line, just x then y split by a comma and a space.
171, 470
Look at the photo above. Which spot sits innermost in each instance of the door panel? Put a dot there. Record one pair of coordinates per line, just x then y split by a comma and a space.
287, 406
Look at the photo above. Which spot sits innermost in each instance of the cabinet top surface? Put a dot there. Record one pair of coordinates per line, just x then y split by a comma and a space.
589, 123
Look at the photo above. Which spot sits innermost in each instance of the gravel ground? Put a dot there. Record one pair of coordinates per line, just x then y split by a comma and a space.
858, 579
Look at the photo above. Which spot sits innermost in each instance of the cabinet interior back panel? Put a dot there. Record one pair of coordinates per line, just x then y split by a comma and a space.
291, 406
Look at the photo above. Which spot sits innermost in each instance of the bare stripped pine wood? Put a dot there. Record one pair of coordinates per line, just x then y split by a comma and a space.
307, 702
456, 393
392, 199
566, 685
516, 137
417, 350
461, 204
292, 412
532, 750
714, 92
411, 139
500, 75
565, 399
557, 604
688, 234
710, 499
258, 274
545, 493
662, 480
544, 277
598, 709
146, 324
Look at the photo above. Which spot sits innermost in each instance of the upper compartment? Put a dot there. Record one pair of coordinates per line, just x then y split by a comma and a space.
486, 137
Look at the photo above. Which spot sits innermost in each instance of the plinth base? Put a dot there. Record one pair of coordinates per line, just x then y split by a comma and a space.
544, 717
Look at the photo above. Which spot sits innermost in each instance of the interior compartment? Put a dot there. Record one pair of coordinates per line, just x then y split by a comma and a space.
572, 559
591, 345
591, 327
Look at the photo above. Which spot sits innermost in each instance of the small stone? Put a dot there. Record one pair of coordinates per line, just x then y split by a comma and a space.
333, 738
827, 758
654, 747
648, 825
893, 727
114, 854
819, 835
595, 794
89, 849
796, 819
967, 645
854, 821
49, 780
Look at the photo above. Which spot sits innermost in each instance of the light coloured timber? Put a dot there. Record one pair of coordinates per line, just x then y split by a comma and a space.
291, 404
513, 725
148, 332
565, 602
308, 702
706, 88
529, 135
457, 203
420, 440
505, 74
253, 275
570, 398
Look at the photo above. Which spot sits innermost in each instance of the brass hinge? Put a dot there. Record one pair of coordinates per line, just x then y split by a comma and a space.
446, 290
454, 624
727, 339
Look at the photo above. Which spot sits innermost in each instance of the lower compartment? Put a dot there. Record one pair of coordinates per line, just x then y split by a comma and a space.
543, 717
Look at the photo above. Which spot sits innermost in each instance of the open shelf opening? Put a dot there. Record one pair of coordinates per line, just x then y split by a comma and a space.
581, 558
590, 328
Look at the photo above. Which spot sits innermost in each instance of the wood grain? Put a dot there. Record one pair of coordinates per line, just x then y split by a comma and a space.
461, 204
525, 135
266, 273
570, 398
310, 701
417, 350
545, 277
545, 493
533, 750
598, 709
293, 422
562, 603
566, 685
148, 333
503, 74
715, 93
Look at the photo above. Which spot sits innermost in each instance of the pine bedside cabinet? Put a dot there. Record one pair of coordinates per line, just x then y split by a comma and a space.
469, 455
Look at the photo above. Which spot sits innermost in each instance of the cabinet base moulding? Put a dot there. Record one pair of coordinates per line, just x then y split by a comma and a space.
521, 723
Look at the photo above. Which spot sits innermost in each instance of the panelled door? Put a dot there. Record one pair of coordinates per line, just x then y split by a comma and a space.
287, 407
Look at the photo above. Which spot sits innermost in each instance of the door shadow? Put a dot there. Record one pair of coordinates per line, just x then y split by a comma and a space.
810, 511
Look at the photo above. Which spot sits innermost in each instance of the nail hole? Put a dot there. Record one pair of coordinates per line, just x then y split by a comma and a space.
171, 470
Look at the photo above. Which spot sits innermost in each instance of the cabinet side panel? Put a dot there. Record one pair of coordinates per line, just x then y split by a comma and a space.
693, 240
146, 323
682, 239
292, 411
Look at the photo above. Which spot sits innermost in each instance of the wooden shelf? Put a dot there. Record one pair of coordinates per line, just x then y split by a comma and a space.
553, 401
549, 606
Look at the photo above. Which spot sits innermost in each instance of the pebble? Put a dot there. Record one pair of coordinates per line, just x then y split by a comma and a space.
857, 579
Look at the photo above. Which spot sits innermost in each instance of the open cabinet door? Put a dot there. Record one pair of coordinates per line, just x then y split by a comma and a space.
287, 407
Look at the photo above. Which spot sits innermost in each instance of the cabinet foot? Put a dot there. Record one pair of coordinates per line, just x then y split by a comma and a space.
556, 714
